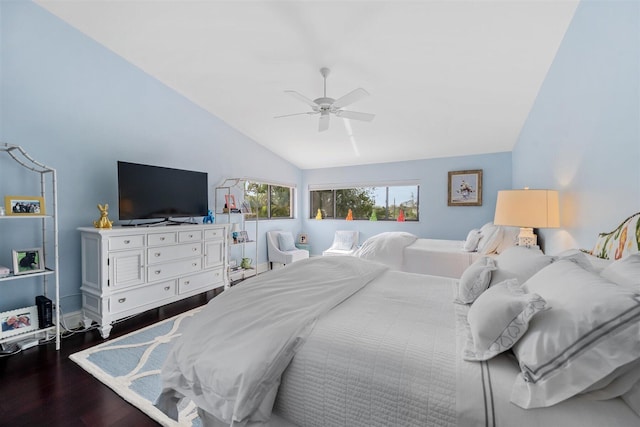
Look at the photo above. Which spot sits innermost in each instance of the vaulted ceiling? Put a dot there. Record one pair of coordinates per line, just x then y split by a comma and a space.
445, 78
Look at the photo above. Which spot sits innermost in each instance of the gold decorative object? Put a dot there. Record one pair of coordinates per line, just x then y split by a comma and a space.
319, 215
103, 222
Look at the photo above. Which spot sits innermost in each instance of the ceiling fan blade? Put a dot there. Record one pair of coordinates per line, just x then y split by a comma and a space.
350, 98
295, 114
324, 122
302, 98
354, 115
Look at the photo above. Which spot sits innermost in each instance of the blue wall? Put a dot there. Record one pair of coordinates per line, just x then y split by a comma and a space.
582, 136
77, 107
437, 220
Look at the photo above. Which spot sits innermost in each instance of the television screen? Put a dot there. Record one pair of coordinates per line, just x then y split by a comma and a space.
146, 191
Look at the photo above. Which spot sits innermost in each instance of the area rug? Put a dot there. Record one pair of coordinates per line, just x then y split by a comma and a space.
130, 366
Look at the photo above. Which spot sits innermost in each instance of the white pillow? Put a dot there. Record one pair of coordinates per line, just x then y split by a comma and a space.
386, 248
519, 262
597, 264
491, 238
632, 398
591, 331
617, 383
624, 272
285, 241
344, 240
473, 238
475, 280
499, 318
509, 238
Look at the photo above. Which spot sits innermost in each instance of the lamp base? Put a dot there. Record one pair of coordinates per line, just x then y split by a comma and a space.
527, 237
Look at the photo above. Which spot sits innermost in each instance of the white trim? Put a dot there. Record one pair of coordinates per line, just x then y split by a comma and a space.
343, 185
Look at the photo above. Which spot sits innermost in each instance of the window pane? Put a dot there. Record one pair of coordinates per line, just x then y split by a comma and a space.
322, 200
403, 198
360, 200
280, 202
256, 194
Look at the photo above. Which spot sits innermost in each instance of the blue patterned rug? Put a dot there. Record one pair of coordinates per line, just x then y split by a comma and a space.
130, 366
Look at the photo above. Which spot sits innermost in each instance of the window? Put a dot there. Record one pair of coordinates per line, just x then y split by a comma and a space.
272, 201
385, 201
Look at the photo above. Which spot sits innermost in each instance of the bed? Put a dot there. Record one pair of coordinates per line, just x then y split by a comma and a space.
349, 342
448, 258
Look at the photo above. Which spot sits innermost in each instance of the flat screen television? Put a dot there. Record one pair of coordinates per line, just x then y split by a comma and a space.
146, 192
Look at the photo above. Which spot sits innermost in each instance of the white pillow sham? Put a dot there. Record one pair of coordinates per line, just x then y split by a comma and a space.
499, 318
475, 280
519, 262
624, 272
472, 240
591, 331
386, 248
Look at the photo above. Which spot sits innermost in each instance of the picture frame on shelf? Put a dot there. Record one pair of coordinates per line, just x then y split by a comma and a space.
19, 321
465, 188
245, 207
24, 205
230, 201
243, 237
27, 261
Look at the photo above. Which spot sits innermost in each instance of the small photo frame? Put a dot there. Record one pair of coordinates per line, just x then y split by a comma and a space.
465, 188
303, 239
245, 207
230, 201
26, 261
16, 322
243, 237
24, 205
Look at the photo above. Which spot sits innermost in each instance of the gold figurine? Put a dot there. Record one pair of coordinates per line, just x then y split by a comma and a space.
103, 222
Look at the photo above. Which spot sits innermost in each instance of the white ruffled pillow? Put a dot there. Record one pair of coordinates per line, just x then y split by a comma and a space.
386, 248
499, 318
473, 238
624, 272
509, 238
591, 331
491, 238
475, 280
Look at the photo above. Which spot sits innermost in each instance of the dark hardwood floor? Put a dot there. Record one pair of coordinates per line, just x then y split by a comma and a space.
42, 387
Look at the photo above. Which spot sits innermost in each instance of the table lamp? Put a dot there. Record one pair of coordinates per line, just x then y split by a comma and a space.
527, 209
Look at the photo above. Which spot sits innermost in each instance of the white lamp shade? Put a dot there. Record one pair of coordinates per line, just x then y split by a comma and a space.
235, 227
528, 208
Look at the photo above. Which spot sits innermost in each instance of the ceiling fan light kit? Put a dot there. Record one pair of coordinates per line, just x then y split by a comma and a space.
326, 106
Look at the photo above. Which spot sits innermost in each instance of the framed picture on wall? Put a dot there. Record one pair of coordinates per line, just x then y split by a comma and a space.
465, 188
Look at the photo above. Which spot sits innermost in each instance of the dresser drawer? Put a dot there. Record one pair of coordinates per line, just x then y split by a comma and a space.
202, 280
189, 236
157, 239
132, 299
172, 269
217, 233
126, 242
171, 253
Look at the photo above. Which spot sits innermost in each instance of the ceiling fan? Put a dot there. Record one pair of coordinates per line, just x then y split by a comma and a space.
326, 106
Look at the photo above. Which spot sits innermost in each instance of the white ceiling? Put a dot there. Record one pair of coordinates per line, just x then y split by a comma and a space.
445, 78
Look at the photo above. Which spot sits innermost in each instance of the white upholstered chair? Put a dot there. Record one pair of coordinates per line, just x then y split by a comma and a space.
344, 243
281, 248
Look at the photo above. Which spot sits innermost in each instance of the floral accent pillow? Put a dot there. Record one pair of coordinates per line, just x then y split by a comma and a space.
499, 318
621, 242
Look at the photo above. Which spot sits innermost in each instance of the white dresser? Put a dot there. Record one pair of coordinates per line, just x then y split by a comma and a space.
128, 270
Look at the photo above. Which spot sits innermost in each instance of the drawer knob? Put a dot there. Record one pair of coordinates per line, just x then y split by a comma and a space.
162, 239
126, 242
190, 236
166, 288
186, 282
195, 264
157, 271
157, 254
194, 249
121, 300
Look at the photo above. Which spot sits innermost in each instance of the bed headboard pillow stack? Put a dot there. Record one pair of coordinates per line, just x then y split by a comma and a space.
584, 339
491, 239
